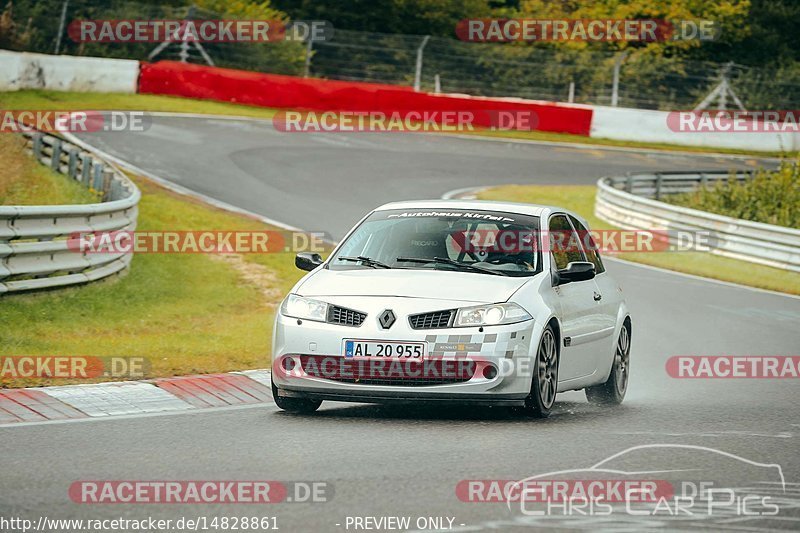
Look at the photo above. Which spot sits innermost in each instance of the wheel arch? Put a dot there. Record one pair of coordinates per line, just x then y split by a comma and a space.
625, 319
557, 331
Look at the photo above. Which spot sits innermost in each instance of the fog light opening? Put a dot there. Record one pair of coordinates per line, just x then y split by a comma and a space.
489, 372
288, 364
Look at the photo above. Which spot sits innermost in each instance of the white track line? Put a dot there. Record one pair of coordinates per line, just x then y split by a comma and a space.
701, 278
195, 411
585, 146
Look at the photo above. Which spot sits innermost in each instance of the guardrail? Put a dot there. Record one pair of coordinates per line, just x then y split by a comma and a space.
632, 202
34, 250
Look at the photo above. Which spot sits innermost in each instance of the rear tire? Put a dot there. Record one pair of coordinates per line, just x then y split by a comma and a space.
295, 405
612, 392
544, 382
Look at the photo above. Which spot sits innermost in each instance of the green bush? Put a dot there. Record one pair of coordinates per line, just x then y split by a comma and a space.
770, 197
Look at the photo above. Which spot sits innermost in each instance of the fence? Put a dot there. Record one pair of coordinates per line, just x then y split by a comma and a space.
480, 69
631, 202
34, 249
580, 76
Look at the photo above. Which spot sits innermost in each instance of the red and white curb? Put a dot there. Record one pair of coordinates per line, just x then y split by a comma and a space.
163, 395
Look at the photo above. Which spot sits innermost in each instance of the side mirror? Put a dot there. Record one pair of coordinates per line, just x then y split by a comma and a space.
576, 271
307, 261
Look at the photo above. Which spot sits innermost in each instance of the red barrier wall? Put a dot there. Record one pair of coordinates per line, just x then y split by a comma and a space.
273, 90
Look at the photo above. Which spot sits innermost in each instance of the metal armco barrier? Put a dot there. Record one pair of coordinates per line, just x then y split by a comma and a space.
631, 202
34, 252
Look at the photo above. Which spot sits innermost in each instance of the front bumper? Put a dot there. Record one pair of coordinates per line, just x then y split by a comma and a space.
398, 397
507, 348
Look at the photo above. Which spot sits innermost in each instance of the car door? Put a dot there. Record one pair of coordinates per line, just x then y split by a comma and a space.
608, 297
580, 319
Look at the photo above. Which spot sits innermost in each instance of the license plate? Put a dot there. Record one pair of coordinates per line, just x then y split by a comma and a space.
390, 349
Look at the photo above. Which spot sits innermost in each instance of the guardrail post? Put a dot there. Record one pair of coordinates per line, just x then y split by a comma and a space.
629, 183
108, 179
55, 162
73, 163
703, 180
37, 146
658, 186
86, 169
98, 177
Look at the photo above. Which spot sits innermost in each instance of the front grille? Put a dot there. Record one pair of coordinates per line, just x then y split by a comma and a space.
344, 316
434, 320
382, 372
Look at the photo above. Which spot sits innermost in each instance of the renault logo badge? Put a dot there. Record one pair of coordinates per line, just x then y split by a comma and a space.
386, 319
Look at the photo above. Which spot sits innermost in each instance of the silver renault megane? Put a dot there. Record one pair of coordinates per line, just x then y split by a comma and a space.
469, 302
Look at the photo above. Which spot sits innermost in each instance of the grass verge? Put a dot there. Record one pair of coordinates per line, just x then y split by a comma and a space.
185, 313
68, 101
24, 181
580, 199
65, 101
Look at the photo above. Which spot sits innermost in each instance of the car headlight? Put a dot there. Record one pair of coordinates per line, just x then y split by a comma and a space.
490, 315
306, 308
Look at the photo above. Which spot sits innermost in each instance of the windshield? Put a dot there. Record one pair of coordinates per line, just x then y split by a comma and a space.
483, 242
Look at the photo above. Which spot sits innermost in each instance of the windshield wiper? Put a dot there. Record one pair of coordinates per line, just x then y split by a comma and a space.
453, 262
373, 263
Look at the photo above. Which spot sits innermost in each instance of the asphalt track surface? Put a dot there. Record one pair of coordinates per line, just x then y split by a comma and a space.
407, 461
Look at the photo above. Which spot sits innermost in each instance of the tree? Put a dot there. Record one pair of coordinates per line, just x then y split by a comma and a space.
420, 17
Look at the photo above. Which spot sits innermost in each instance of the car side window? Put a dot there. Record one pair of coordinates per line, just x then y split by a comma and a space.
589, 246
564, 245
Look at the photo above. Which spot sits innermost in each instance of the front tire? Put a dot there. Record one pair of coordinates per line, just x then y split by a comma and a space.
612, 392
295, 405
545, 378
